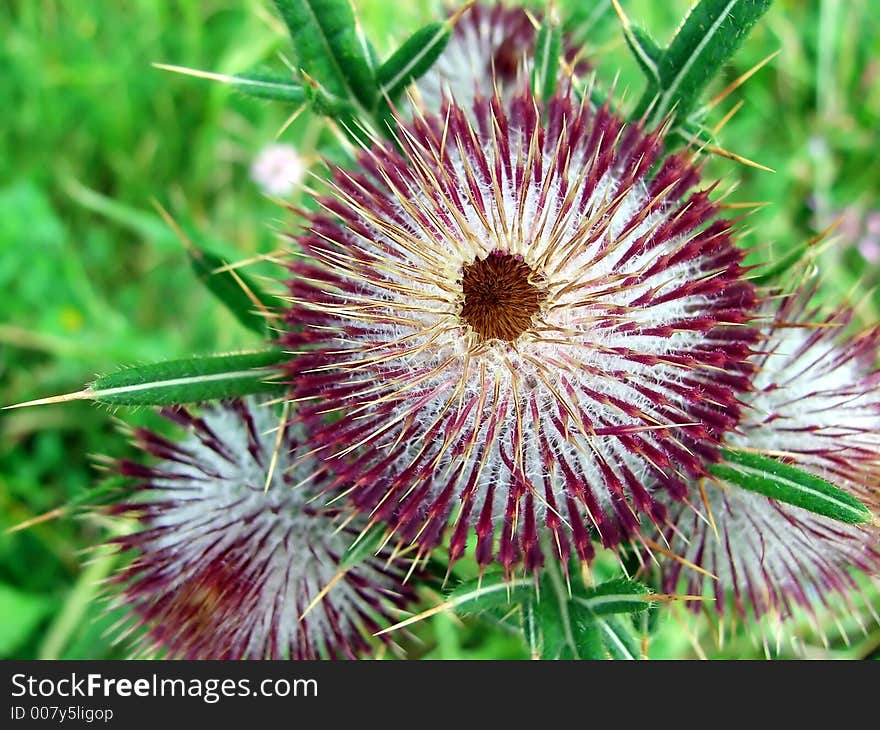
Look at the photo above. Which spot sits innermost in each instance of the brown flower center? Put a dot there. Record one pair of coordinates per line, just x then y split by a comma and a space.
500, 296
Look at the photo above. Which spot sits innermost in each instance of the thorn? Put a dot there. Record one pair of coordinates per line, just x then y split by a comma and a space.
46, 517
670, 554
290, 120
279, 438
340, 574
198, 73
86, 394
624, 21
705, 498
721, 152
439, 608
178, 231
668, 597
721, 95
750, 205
270, 257
255, 300
727, 117
455, 17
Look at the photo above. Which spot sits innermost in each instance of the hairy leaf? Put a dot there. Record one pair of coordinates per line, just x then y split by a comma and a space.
619, 638
786, 483
560, 620
615, 596
548, 46
417, 54
269, 85
188, 381
236, 290
329, 47
706, 40
647, 53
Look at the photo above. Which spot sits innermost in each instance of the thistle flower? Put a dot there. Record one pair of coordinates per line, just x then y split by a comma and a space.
491, 46
227, 568
516, 322
816, 404
278, 169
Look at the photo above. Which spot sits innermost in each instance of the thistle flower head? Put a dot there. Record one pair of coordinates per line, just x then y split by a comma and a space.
517, 326
816, 405
491, 48
227, 568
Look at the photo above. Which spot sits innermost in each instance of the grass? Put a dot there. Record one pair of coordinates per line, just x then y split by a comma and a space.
92, 279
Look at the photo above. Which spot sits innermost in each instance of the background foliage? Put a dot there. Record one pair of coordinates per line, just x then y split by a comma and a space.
91, 278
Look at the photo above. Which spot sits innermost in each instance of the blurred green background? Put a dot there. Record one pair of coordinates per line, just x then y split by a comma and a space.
91, 278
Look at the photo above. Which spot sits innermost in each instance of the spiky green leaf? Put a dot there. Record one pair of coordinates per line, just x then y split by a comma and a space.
618, 638
647, 53
559, 619
330, 48
269, 85
409, 62
548, 46
566, 630
786, 483
705, 41
191, 380
235, 289
614, 596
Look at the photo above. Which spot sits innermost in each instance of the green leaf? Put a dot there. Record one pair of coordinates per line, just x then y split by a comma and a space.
342, 110
260, 83
786, 483
582, 17
618, 638
706, 40
188, 381
548, 46
615, 596
412, 59
559, 621
647, 53
566, 630
195, 379
269, 85
231, 288
330, 48
569, 628
20, 615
